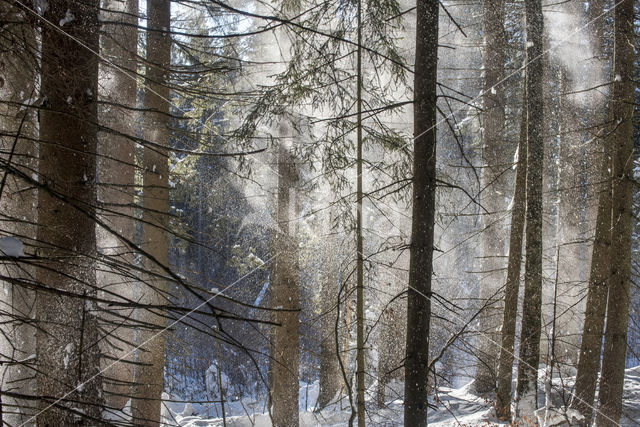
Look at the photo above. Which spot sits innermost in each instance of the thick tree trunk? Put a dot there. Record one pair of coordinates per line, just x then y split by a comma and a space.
494, 185
531, 315
116, 169
68, 358
591, 340
149, 375
512, 287
423, 215
286, 345
18, 208
621, 146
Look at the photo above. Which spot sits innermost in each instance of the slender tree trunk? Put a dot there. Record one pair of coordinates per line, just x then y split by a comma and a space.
423, 215
67, 354
591, 340
286, 296
621, 145
18, 208
531, 316
512, 288
494, 185
116, 171
149, 374
360, 359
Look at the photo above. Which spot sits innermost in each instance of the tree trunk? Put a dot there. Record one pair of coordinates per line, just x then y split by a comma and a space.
391, 342
360, 319
423, 215
512, 287
116, 169
149, 375
621, 146
18, 207
286, 346
531, 315
68, 358
494, 187
330, 375
591, 340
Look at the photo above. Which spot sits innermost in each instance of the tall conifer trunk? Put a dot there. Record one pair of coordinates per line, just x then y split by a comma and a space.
116, 169
149, 375
67, 354
18, 209
621, 146
360, 359
494, 185
512, 287
423, 214
531, 315
285, 296
591, 340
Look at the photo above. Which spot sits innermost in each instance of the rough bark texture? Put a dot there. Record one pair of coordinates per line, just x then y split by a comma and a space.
116, 170
149, 375
621, 146
591, 340
512, 287
423, 215
495, 158
68, 358
286, 295
531, 315
18, 208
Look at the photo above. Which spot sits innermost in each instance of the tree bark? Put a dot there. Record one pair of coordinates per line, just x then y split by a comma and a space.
591, 339
360, 319
531, 316
621, 146
494, 187
149, 375
18, 207
286, 346
512, 287
423, 215
68, 358
116, 170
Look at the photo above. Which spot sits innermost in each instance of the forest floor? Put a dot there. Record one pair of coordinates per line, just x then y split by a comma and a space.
455, 407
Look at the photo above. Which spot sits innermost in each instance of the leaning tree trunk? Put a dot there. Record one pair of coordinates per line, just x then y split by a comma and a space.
621, 146
146, 402
285, 296
591, 339
494, 187
531, 314
423, 215
68, 358
512, 287
18, 130
116, 170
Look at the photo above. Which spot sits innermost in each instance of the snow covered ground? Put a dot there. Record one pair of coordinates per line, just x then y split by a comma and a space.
455, 407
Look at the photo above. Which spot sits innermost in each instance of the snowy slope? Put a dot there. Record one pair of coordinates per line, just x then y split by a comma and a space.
455, 407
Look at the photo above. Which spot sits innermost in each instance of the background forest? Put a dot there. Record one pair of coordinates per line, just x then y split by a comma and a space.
319, 212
